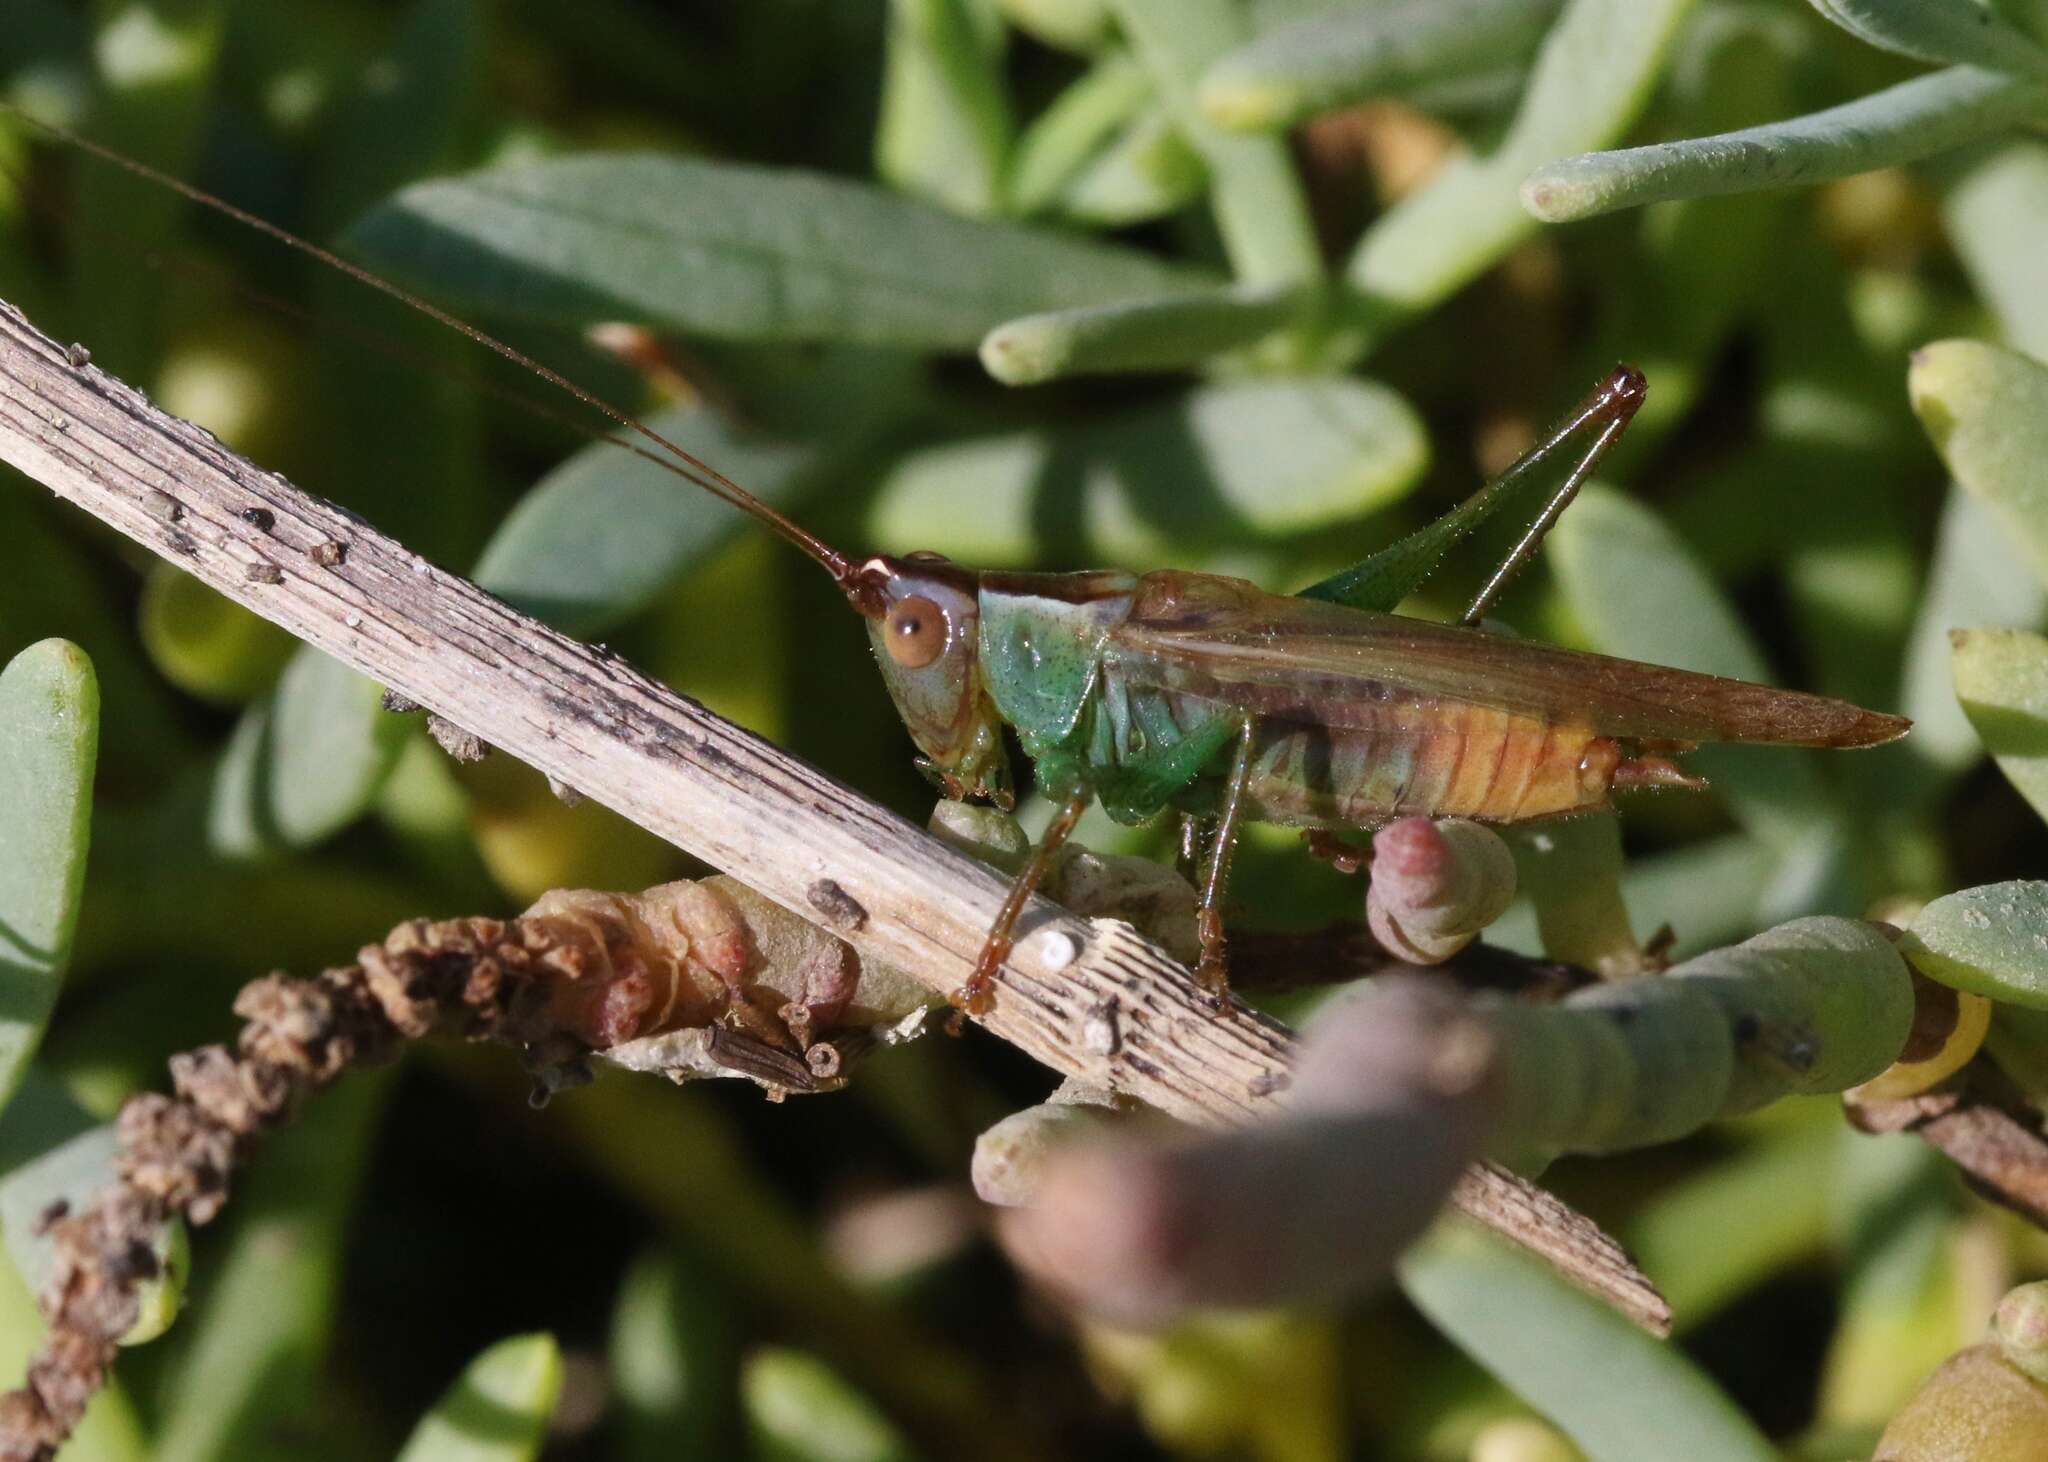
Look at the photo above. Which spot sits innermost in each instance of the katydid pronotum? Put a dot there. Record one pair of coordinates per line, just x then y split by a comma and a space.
1194, 693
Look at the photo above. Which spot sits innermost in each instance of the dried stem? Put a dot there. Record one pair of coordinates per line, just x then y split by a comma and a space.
591, 721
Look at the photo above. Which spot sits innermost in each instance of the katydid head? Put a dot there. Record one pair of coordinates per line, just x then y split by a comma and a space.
924, 619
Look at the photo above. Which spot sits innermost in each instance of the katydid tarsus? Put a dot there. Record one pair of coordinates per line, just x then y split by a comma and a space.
1193, 693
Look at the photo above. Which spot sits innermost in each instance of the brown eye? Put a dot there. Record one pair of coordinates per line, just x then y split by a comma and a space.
916, 632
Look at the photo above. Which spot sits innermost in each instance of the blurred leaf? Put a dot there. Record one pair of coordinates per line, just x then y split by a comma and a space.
1074, 128
1155, 487
1173, 332
1622, 1395
497, 1410
737, 252
1992, 939
1997, 214
51, 1154
43, 60
603, 535
1986, 410
405, 440
206, 644
1961, 32
1912, 120
1570, 872
307, 762
1902, 1307
1711, 1238
1353, 53
1145, 172
944, 132
1976, 578
155, 60
1640, 593
1254, 190
2001, 678
1592, 75
49, 739
1074, 25
799, 1410
261, 1327
673, 1363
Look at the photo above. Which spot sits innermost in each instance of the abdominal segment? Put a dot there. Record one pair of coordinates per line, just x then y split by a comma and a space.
1446, 759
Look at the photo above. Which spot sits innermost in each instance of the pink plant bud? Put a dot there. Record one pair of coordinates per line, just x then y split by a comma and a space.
1435, 885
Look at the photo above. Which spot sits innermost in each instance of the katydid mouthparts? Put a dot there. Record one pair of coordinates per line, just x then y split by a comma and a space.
1194, 693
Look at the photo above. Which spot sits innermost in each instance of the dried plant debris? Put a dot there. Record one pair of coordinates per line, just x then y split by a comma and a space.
735, 984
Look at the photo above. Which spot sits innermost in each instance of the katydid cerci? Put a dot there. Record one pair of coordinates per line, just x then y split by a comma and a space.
1195, 693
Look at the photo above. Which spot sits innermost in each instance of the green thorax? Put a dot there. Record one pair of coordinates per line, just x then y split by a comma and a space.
1042, 638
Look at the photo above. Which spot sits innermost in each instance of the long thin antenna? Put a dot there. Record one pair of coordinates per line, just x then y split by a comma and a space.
690, 468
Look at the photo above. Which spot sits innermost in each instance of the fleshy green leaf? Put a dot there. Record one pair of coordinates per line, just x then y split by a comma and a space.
1639, 592
497, 1410
673, 1367
1351, 53
2002, 682
49, 741
1172, 332
1959, 32
1992, 939
800, 1410
1986, 409
1164, 484
1073, 25
1254, 189
1622, 1395
1902, 124
599, 538
306, 763
737, 252
1593, 74
1074, 128
1997, 215
944, 132
1147, 171
1976, 578
205, 643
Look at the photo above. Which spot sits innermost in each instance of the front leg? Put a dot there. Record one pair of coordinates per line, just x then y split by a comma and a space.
1211, 972
977, 996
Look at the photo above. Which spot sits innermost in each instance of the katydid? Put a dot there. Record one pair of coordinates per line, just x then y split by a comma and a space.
1194, 693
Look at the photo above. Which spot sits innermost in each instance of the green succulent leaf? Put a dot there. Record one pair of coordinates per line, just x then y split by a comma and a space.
800, 1410
1257, 196
1592, 76
674, 1362
49, 743
1071, 25
736, 252
1947, 32
1986, 409
1172, 332
1997, 215
603, 535
497, 1410
1351, 53
1168, 483
2001, 678
1992, 939
307, 762
1915, 119
1075, 127
944, 132
1619, 1393
206, 644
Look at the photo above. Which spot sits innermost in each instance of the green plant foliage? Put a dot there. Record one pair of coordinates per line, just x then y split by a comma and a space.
49, 737
1258, 287
497, 1410
1619, 1394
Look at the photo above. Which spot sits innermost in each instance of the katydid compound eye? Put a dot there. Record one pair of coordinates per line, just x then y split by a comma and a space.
916, 632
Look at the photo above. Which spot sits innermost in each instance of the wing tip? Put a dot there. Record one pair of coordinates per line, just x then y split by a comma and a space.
1868, 728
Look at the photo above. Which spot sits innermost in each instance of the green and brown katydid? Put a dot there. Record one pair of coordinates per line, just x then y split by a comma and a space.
1208, 696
